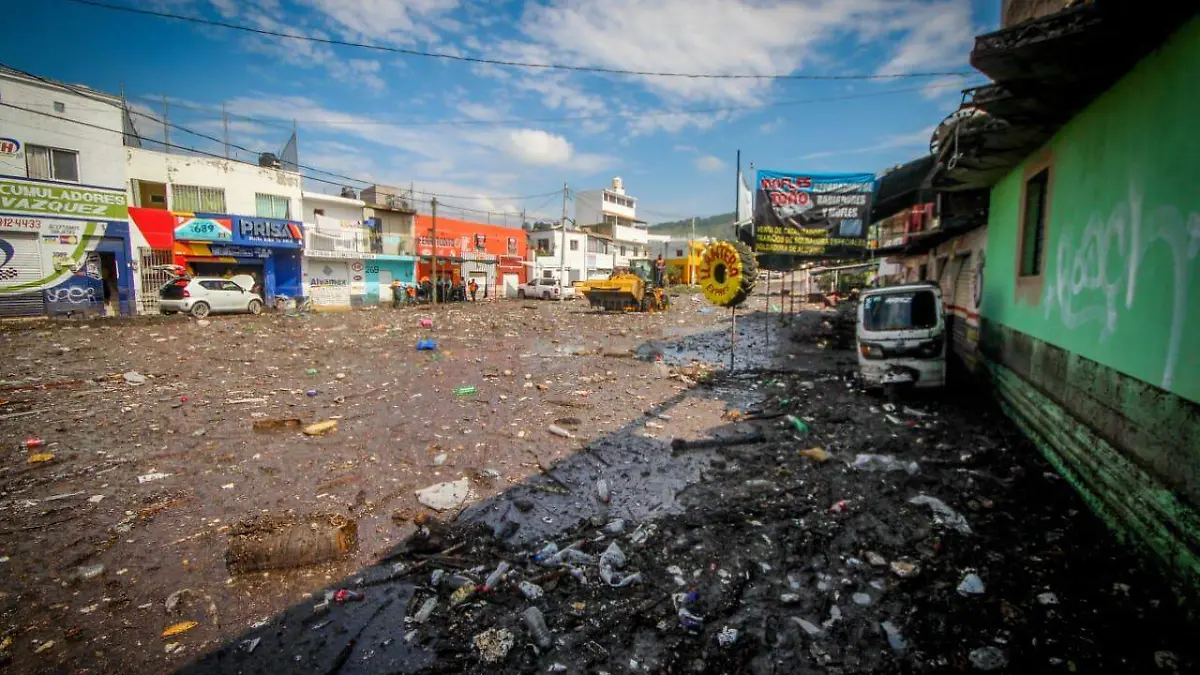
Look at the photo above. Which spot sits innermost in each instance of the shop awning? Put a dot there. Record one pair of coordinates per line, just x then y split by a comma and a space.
902, 187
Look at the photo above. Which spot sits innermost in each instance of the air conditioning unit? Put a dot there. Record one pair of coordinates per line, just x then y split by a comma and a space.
268, 160
348, 192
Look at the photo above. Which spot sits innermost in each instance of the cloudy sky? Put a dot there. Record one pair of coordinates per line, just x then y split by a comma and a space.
503, 138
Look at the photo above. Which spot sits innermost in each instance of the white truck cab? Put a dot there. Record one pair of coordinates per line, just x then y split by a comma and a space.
902, 336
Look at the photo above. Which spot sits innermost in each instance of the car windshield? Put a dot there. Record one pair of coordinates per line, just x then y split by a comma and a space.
900, 311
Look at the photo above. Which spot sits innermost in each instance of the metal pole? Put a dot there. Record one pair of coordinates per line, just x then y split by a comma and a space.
433, 228
562, 254
732, 335
792, 296
767, 320
166, 126
737, 200
225, 128
691, 242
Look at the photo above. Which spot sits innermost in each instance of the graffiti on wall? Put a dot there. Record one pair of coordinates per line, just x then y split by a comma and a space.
1096, 275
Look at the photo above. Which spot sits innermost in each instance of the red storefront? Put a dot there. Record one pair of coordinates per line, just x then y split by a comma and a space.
491, 254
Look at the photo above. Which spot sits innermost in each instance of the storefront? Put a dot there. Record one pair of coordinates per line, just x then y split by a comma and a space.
491, 254
64, 249
342, 280
220, 245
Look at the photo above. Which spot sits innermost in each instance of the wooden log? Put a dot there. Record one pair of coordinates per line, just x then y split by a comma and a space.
274, 542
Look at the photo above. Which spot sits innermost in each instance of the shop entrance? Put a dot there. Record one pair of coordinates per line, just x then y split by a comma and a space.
228, 270
111, 296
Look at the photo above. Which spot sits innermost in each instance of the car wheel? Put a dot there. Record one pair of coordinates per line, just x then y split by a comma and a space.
521, 293
255, 307
545, 296
200, 310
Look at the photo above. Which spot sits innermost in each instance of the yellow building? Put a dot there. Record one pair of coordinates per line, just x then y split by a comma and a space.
683, 260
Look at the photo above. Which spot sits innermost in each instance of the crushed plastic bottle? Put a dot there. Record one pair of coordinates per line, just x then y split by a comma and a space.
426, 345
615, 526
690, 621
496, 575
971, 585
465, 391
463, 594
436, 577
342, 596
610, 562
530, 590
425, 611
885, 463
33, 442
727, 636
797, 424
894, 638
536, 623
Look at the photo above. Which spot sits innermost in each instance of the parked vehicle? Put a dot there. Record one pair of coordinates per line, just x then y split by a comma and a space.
546, 289
200, 296
902, 336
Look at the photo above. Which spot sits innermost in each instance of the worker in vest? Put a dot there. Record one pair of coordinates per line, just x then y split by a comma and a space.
473, 287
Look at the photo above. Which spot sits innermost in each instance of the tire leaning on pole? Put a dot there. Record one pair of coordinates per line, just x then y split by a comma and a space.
727, 273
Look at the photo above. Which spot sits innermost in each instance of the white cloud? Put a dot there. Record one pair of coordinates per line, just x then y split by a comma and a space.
772, 126
709, 163
534, 146
397, 22
366, 72
936, 35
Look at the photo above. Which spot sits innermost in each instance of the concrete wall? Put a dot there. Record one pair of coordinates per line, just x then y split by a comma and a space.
1097, 356
101, 153
337, 208
239, 180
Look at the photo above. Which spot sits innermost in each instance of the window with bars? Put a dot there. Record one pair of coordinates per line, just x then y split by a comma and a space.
197, 199
46, 163
1033, 227
272, 206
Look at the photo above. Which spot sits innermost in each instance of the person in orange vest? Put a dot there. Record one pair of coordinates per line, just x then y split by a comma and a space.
473, 287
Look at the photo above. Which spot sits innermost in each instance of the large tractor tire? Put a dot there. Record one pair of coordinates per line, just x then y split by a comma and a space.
749, 272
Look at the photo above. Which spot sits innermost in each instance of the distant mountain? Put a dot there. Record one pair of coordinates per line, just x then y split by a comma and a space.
720, 226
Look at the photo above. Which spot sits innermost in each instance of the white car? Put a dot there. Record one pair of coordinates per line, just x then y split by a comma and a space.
200, 296
546, 289
902, 336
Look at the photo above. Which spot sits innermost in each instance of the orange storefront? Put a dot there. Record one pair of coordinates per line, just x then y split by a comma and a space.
491, 254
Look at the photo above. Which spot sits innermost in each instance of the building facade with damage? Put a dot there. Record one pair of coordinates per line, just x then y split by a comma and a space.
1089, 304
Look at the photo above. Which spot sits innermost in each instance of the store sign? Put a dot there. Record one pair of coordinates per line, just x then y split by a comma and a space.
809, 215
54, 199
268, 231
239, 251
189, 228
10, 147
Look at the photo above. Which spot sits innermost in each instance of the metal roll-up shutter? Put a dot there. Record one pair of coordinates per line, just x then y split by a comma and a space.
964, 311
23, 266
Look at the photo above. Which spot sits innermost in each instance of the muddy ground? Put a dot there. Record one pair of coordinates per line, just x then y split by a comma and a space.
752, 557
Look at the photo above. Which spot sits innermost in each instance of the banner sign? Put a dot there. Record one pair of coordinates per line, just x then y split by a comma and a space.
41, 198
267, 232
190, 228
812, 215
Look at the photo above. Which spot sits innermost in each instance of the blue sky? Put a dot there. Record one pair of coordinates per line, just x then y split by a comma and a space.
366, 114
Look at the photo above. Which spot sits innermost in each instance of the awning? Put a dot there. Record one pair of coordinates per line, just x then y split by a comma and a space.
902, 187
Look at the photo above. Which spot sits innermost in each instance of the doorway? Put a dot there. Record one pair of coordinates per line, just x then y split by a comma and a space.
385, 286
111, 295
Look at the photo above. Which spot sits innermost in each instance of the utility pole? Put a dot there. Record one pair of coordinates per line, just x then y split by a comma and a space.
691, 243
225, 127
166, 126
433, 229
562, 255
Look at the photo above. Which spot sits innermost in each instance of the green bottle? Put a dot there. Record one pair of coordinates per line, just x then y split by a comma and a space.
465, 391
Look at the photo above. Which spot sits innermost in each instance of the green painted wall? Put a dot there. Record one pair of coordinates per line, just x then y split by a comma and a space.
1122, 259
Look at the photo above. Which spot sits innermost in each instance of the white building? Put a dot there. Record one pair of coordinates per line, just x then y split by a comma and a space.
549, 259
210, 185
613, 214
63, 207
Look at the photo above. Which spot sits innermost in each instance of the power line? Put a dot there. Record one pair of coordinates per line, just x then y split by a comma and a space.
500, 62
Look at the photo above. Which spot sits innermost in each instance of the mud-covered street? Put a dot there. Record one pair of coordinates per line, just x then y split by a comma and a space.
662, 516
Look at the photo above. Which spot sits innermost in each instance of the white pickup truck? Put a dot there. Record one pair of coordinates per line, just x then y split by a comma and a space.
546, 289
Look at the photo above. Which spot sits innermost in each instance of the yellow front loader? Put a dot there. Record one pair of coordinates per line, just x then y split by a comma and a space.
630, 291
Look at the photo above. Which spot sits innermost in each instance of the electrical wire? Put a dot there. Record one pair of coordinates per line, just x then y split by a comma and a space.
500, 62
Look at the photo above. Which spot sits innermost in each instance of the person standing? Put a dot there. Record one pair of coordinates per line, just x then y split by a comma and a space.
473, 287
660, 270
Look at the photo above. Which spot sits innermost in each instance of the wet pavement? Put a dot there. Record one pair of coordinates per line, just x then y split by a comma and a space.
801, 552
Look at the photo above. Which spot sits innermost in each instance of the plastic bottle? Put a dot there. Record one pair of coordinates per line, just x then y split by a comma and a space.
495, 577
536, 623
797, 423
343, 595
465, 391
530, 590
33, 442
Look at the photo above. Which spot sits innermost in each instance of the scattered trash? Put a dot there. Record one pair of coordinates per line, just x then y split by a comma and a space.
439, 460
884, 463
806, 626
278, 423
690, 621
321, 428
971, 585
495, 577
425, 323
445, 496
462, 594
818, 455
889, 407
279, 542
840, 506
426, 610
249, 646
559, 431
1047, 599
797, 424
426, 345
612, 560
538, 630
342, 596
615, 526
530, 590
876, 560
181, 627
134, 378
88, 572
903, 569
311, 371
988, 658
48, 644
465, 391
861, 599
789, 598
727, 636
40, 457
942, 514
151, 477
258, 400
32, 442
493, 644
894, 638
